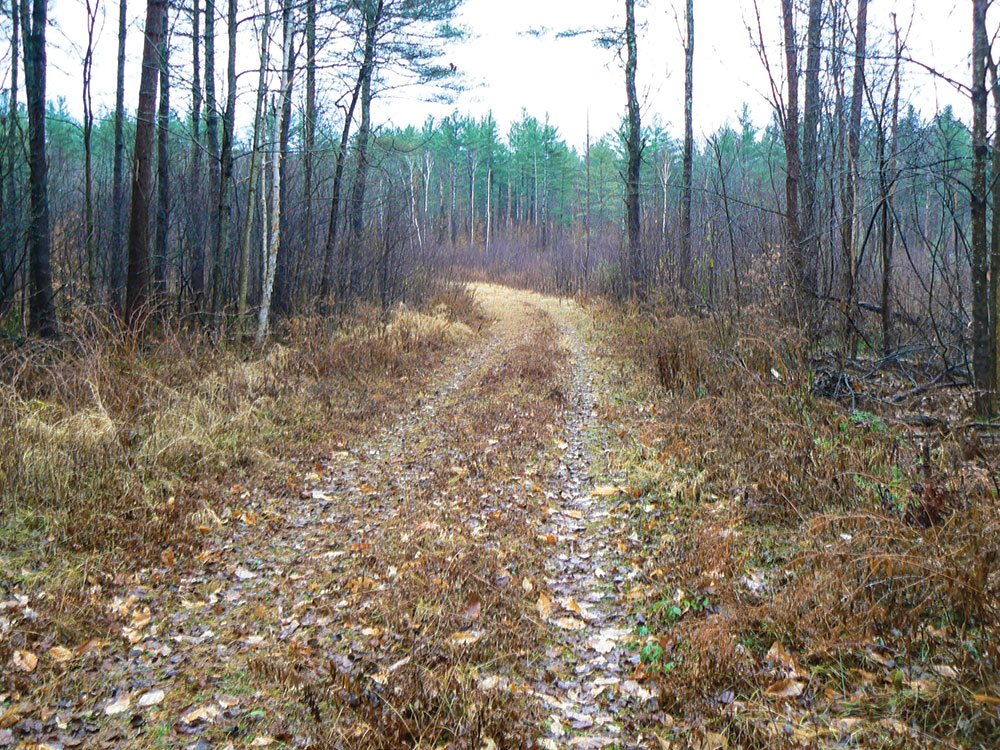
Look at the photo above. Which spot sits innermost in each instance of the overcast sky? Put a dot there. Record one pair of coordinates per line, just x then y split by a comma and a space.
570, 79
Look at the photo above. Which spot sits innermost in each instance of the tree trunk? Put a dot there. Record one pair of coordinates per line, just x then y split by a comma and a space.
42, 308
887, 185
338, 180
88, 181
848, 243
284, 283
10, 215
810, 145
255, 164
983, 368
117, 278
195, 223
793, 174
142, 171
688, 168
276, 208
634, 144
309, 126
212, 139
163, 169
220, 259
373, 17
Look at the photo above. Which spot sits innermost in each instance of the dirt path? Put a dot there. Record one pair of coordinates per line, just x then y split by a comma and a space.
452, 579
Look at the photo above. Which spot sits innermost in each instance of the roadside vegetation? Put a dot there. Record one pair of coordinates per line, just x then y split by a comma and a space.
812, 571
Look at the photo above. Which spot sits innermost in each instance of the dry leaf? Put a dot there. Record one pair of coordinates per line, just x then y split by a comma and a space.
262, 741
785, 689
464, 638
605, 491
25, 661
119, 706
60, 655
244, 574
527, 585
544, 606
567, 602
473, 607
714, 741
946, 671
141, 619
206, 713
152, 698
168, 558
569, 623
989, 700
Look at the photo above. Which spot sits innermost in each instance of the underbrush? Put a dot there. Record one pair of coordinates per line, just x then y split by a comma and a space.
117, 449
811, 573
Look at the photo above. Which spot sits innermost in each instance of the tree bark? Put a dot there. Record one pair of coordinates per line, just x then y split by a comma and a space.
10, 215
793, 156
42, 308
163, 169
223, 221
810, 146
117, 263
634, 146
88, 181
373, 18
195, 223
137, 289
212, 140
255, 164
983, 369
688, 167
338, 180
276, 208
284, 284
849, 201
309, 125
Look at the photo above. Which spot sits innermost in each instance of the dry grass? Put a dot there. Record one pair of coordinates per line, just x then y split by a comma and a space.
866, 547
114, 448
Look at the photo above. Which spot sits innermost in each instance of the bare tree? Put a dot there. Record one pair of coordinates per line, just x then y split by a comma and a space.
634, 147
255, 165
271, 258
793, 155
117, 280
688, 167
983, 369
163, 174
42, 308
810, 145
137, 289
851, 181
88, 129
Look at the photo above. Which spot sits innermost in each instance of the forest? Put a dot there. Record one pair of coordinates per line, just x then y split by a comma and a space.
323, 425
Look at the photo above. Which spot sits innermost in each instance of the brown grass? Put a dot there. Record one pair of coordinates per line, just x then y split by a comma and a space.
114, 448
865, 546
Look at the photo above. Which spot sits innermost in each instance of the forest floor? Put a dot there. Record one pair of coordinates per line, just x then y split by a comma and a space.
518, 551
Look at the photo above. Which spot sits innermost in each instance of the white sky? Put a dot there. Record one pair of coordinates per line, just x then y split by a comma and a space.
568, 78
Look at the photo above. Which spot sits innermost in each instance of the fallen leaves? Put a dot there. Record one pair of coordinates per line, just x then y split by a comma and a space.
118, 706
544, 607
473, 608
464, 638
787, 688
605, 491
152, 698
207, 713
60, 654
25, 661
